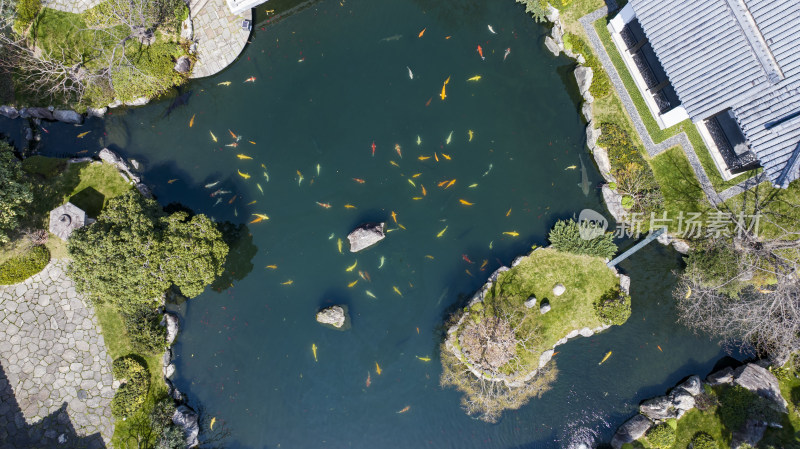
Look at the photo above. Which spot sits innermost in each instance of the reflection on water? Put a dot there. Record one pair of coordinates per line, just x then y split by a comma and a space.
327, 87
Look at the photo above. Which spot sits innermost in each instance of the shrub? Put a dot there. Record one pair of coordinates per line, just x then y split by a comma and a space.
26, 11
601, 83
146, 334
705, 401
702, 440
621, 150
22, 267
536, 8
661, 436
614, 307
15, 193
566, 236
135, 383
718, 266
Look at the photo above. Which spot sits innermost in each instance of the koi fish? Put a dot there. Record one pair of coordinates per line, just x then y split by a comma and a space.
243, 156
289, 282
399, 151
397, 290
436, 156
191, 121
423, 158
491, 30
488, 170
352, 267
314, 350
512, 233
251, 142
369, 380
405, 409
349, 206
232, 199
300, 178
428, 103
232, 145
352, 284
383, 259
466, 259
256, 220
252, 79
272, 267
416, 175
364, 275
422, 32
688, 293
424, 359
450, 184
213, 137
480, 52
213, 420
325, 205
410, 75
172, 180
219, 200
571, 167
370, 294
259, 188
373, 148
605, 358
441, 233
377, 368
224, 83
262, 216
507, 52
394, 163
474, 78
659, 348
411, 182
419, 141
483, 265
509, 212
472, 186
442, 95
446, 156
470, 135
317, 169
339, 245
394, 217
243, 175
449, 138
208, 186
401, 226
465, 202
428, 256
82, 135
234, 135
219, 192
424, 192
491, 244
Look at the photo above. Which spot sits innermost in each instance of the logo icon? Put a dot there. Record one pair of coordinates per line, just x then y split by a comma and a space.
591, 224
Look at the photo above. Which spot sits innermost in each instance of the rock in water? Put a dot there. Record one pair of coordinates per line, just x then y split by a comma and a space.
723, 376
186, 419
693, 385
552, 45
632, 430
365, 236
583, 75
171, 321
559, 289
544, 307
9, 111
68, 116
658, 409
334, 316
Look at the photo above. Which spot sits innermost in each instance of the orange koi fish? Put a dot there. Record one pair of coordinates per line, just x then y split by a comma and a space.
399, 151
405, 409
252, 79
436, 156
172, 180
364, 275
394, 217
450, 184
423, 158
233, 135
373, 148
369, 379
191, 121
424, 192
428, 103
480, 52
256, 220
359, 180
234, 145
465, 202
232, 199
446, 156
509, 212
422, 32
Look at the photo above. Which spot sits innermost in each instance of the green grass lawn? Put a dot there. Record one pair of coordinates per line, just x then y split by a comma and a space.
681, 190
586, 278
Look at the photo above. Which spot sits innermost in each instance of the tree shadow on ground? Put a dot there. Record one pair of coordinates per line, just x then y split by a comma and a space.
90, 200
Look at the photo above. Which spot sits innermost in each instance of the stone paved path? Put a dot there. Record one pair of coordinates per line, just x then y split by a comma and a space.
53, 356
654, 149
74, 6
219, 35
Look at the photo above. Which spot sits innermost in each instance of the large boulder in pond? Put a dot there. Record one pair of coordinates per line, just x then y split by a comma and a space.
334, 315
658, 409
365, 236
170, 320
761, 382
186, 419
632, 430
693, 385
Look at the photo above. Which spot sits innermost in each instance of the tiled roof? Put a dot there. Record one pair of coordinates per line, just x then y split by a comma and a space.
738, 54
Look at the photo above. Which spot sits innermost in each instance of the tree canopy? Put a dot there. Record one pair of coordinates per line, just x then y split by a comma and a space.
15, 193
135, 252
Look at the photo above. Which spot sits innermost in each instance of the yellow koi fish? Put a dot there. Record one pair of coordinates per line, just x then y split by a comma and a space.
472, 186
450, 184
352, 267
483, 265
509, 212
571, 167
474, 78
397, 290
605, 358
436, 156
352, 284
424, 359
213, 420
82, 135
411, 182
224, 83
289, 282
470, 135
512, 233
191, 121
400, 225
416, 175
339, 245
424, 192
449, 138
349, 206
252, 202
446, 156
465, 202
299, 177
272, 267
441, 233
243, 175
213, 137
262, 216
172, 180
394, 163
259, 188
394, 217
424, 158
243, 156
428, 256
314, 350
369, 293
443, 95
251, 142
378, 368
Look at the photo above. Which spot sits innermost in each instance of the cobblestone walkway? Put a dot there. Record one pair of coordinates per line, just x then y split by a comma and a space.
654, 149
219, 35
54, 361
73, 6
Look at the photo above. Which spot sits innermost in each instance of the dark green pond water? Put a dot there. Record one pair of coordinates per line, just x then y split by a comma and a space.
326, 87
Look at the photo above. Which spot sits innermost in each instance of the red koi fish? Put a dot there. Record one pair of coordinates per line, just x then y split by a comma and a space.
466, 259
480, 52
373, 148
369, 379
252, 79
359, 180
325, 205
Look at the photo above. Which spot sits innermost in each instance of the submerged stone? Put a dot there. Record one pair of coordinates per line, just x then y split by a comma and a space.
334, 315
365, 236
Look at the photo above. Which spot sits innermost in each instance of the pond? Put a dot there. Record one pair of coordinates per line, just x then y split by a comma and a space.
330, 81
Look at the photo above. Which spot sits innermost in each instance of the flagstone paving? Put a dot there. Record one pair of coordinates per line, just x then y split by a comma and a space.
52, 355
219, 35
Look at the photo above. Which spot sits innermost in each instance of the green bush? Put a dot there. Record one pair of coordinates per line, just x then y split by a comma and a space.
566, 236
142, 324
614, 307
621, 150
702, 440
601, 83
17, 269
718, 266
536, 8
735, 405
26, 11
661, 436
132, 393
153, 75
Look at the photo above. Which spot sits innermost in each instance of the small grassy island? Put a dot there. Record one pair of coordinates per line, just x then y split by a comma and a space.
498, 347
